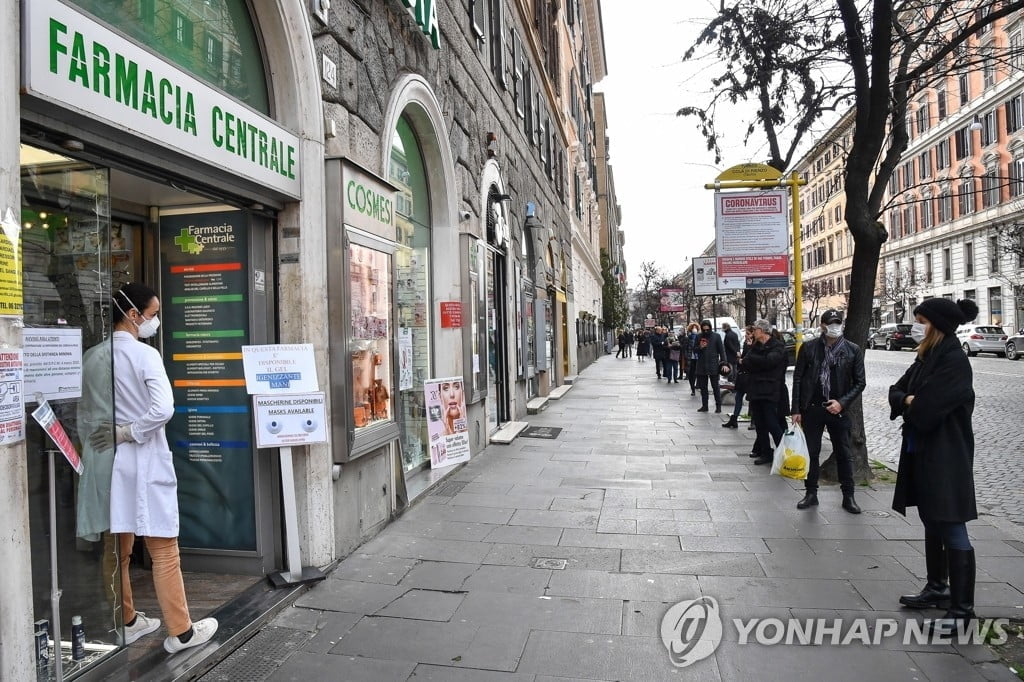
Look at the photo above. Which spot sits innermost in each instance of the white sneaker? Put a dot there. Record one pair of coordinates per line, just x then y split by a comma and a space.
202, 632
142, 627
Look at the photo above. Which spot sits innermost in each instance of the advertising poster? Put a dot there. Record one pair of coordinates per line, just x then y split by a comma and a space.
752, 238
55, 430
53, 362
673, 300
447, 424
705, 277
205, 316
12, 404
405, 359
10, 265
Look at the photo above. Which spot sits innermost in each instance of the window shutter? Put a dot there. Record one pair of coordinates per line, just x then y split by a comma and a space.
476, 15
498, 42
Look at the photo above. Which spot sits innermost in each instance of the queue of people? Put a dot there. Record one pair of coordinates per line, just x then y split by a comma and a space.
934, 398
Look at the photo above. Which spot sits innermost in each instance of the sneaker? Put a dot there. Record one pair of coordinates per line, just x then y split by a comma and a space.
142, 627
202, 632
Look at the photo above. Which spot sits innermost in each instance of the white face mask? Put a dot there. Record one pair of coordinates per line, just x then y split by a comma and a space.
833, 331
918, 332
148, 327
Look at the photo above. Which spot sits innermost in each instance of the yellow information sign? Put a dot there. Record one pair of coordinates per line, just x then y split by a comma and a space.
10, 265
749, 171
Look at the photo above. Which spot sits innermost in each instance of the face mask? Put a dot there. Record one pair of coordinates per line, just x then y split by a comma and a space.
148, 327
834, 331
917, 332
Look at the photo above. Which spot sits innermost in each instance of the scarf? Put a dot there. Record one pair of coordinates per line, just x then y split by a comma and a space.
833, 354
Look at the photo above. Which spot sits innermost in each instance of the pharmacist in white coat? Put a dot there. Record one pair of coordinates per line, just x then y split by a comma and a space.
143, 486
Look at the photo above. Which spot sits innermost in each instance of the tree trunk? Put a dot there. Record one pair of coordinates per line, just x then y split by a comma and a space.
869, 236
750, 304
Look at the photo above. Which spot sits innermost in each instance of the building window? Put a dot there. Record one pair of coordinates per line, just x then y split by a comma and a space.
926, 213
940, 103
928, 268
1016, 51
965, 92
942, 154
1014, 114
527, 102
988, 69
922, 117
995, 306
968, 259
477, 19
971, 294
963, 143
988, 129
924, 164
947, 265
1015, 176
966, 197
497, 17
147, 12
182, 31
989, 188
993, 254
945, 207
214, 54
518, 67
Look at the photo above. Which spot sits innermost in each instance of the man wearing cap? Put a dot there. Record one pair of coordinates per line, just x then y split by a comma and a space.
828, 377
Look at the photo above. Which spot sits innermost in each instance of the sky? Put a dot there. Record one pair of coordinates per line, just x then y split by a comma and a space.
660, 160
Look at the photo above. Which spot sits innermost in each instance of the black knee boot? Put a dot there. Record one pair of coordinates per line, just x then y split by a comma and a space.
958, 617
935, 594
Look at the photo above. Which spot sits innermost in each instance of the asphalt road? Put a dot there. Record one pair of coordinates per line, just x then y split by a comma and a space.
998, 425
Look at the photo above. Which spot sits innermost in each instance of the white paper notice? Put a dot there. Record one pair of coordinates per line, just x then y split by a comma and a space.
53, 362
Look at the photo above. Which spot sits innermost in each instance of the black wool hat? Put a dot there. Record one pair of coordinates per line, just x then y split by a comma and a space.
706, 323
945, 315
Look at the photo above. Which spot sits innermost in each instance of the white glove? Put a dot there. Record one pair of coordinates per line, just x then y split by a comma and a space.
124, 433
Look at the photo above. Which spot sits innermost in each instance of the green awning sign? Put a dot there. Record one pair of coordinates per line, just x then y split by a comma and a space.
75, 62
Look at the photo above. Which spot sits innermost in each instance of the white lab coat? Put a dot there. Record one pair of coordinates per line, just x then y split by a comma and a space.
143, 488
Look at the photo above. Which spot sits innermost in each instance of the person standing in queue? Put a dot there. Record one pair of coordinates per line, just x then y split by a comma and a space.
143, 486
732, 345
740, 381
710, 355
659, 348
765, 365
828, 377
935, 398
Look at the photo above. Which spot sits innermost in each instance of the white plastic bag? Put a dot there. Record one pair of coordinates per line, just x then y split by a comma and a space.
791, 456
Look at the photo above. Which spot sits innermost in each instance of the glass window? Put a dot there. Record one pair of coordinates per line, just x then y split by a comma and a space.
370, 289
176, 30
412, 290
67, 281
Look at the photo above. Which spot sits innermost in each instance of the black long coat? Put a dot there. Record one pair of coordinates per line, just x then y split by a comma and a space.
938, 475
710, 356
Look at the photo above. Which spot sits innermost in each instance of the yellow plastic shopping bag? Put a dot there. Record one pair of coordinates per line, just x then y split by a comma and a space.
791, 457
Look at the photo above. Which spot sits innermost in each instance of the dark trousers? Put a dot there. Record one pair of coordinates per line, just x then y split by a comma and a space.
621, 352
659, 364
765, 415
814, 422
739, 404
691, 374
670, 368
629, 349
952, 533
703, 378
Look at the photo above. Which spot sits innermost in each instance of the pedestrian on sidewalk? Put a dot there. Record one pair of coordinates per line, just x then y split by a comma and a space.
621, 340
710, 355
935, 398
630, 339
732, 344
740, 382
828, 377
659, 347
643, 347
692, 352
671, 364
143, 486
765, 363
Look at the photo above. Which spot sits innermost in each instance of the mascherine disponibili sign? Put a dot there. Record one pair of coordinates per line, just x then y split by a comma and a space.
72, 60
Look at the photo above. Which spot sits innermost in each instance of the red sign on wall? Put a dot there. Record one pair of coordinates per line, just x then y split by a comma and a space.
451, 314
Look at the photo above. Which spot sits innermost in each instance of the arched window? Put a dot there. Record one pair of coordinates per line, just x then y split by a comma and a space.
214, 40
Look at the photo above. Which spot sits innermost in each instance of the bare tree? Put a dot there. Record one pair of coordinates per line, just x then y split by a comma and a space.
901, 287
648, 298
1010, 240
794, 64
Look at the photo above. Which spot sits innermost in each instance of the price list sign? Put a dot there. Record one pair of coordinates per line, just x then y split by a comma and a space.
205, 316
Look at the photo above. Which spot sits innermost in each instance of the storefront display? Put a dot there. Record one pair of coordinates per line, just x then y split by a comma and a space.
370, 343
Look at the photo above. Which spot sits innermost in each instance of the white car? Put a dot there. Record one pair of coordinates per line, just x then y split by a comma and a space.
981, 338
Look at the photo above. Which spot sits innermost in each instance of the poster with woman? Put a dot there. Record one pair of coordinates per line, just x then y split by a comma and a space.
447, 424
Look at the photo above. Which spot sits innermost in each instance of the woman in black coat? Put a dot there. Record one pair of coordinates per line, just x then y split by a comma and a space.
935, 397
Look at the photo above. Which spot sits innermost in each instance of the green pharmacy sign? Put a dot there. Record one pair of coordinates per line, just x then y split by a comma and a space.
424, 12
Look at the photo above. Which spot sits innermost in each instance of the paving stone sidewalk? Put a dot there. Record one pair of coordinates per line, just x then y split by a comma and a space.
645, 503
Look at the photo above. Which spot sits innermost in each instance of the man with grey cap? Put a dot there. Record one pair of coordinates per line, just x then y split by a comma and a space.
828, 377
765, 366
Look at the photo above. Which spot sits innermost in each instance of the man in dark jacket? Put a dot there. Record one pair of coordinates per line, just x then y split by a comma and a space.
765, 366
710, 354
732, 345
659, 349
828, 377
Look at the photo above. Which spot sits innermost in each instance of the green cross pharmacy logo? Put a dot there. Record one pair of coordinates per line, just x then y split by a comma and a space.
188, 243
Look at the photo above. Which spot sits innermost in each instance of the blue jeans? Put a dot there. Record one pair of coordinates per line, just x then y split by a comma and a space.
953, 533
739, 405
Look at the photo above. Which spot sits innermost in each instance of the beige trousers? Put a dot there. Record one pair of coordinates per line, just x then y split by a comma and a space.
170, 587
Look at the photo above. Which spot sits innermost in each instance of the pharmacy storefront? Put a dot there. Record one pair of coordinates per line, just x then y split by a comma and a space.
153, 149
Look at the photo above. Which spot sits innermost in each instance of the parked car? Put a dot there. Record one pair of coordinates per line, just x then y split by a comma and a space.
892, 336
1015, 346
790, 341
981, 338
